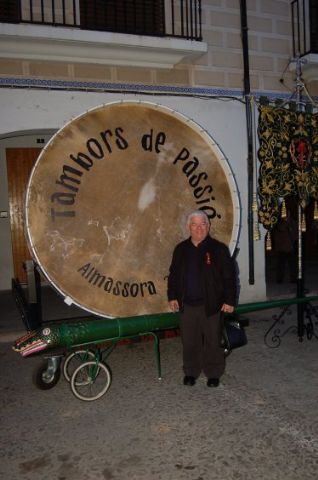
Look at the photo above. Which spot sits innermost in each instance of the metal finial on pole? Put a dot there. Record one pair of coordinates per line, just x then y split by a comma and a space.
300, 104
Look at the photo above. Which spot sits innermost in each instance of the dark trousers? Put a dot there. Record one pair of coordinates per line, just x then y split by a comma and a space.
201, 336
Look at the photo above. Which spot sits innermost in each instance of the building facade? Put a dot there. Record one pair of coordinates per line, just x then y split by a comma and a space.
201, 59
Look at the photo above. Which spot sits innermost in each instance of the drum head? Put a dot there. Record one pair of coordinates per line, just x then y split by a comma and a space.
108, 198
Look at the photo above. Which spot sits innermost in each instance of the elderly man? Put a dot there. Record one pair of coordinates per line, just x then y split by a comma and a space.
201, 284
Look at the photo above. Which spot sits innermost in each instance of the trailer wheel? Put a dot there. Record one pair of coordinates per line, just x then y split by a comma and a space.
74, 360
90, 381
45, 377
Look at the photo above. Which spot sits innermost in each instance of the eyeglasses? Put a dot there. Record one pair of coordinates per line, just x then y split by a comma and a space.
197, 225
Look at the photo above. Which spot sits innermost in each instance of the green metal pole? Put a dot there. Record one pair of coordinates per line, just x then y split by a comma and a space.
93, 330
255, 306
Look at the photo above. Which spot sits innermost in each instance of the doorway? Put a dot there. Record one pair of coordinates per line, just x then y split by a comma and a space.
280, 284
20, 162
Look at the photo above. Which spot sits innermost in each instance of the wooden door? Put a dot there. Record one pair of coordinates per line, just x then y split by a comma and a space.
19, 165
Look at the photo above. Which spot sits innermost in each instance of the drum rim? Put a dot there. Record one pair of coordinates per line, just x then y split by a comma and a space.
207, 137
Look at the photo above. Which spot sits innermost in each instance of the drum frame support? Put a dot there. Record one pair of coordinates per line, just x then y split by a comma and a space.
29, 303
30, 308
105, 334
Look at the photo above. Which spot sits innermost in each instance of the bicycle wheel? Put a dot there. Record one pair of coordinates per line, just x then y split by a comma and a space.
74, 360
90, 381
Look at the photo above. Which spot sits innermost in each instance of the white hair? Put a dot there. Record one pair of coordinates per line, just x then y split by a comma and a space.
198, 213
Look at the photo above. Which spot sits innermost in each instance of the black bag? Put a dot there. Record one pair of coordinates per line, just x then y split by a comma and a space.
233, 333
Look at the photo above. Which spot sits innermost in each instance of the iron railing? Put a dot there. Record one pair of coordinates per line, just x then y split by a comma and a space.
304, 27
172, 18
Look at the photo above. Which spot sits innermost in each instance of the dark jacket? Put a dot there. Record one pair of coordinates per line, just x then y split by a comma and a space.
217, 270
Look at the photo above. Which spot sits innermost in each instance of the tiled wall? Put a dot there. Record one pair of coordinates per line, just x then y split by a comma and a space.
270, 49
269, 37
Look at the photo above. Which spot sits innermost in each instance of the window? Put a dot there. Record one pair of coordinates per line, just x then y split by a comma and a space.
143, 17
10, 11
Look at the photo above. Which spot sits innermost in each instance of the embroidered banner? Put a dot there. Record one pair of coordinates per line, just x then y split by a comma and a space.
288, 155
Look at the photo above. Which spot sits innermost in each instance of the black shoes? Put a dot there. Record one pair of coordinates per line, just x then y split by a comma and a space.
213, 382
190, 381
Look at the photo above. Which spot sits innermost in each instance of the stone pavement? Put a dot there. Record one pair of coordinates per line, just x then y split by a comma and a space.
261, 423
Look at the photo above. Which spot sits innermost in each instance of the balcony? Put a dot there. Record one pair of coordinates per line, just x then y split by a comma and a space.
151, 33
305, 36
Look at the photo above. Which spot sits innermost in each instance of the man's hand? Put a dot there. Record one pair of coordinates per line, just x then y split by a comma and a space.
227, 308
174, 305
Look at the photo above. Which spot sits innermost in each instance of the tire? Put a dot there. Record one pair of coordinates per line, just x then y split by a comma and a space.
74, 360
90, 381
44, 379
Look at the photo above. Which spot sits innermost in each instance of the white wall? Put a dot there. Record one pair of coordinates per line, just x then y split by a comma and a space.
224, 120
